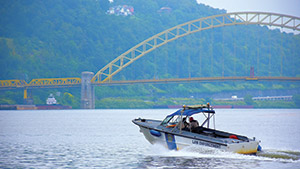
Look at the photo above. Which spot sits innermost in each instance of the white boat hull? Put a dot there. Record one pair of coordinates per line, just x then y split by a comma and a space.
177, 142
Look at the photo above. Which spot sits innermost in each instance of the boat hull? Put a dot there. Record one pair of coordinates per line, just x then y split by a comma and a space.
176, 140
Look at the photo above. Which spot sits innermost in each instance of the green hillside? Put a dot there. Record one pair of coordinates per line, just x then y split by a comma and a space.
46, 39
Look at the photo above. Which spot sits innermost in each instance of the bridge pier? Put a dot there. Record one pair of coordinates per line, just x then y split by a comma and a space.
87, 91
27, 98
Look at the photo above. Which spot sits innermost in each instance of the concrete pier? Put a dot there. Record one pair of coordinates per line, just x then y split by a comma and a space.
87, 91
27, 99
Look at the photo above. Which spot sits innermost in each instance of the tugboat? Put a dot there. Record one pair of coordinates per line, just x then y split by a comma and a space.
51, 103
51, 100
179, 130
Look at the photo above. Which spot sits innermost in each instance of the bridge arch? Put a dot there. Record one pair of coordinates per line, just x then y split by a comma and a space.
160, 39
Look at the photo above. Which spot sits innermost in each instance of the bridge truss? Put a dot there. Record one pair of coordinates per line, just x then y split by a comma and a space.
46, 83
238, 18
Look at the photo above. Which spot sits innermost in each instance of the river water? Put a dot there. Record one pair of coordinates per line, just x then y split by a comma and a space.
108, 139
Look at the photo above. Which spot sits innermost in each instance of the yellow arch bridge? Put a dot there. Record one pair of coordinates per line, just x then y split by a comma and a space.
104, 75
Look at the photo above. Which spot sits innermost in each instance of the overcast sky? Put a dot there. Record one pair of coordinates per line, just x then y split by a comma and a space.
289, 7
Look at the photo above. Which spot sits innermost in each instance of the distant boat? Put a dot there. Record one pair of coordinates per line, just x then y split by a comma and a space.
51, 100
175, 132
51, 103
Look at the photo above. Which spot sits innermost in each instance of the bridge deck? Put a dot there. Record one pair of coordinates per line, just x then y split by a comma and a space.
76, 82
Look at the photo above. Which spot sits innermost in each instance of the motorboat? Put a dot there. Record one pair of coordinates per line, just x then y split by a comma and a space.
179, 130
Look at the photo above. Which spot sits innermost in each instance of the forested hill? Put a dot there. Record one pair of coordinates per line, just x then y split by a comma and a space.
56, 38
43, 39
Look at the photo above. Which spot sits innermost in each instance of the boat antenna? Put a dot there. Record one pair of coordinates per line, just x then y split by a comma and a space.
181, 122
208, 118
210, 108
214, 122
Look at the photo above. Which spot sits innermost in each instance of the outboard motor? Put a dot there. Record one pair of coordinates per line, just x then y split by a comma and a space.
259, 148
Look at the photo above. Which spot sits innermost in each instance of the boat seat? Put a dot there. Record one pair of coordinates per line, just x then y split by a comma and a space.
227, 135
198, 130
217, 133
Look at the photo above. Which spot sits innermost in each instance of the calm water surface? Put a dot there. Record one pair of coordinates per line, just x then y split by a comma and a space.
108, 139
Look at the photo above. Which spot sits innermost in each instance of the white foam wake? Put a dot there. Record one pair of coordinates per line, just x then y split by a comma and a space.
207, 152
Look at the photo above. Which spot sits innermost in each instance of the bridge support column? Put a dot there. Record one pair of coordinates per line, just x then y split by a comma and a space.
27, 99
87, 91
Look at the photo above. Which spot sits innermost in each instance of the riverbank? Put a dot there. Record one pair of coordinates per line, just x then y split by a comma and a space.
161, 103
34, 107
149, 103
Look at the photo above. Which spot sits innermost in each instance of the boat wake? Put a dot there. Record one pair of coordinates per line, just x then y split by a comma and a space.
159, 156
207, 152
280, 154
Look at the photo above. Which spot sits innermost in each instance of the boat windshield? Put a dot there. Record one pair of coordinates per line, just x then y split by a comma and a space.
171, 120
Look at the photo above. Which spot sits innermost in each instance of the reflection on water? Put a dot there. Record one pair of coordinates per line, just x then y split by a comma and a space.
108, 139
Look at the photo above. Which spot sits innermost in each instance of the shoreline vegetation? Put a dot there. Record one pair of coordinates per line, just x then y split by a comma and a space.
134, 103
171, 102
135, 98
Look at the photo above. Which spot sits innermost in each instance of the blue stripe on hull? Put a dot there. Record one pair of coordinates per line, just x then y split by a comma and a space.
170, 139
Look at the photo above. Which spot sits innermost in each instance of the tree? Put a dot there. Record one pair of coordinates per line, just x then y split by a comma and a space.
248, 100
296, 99
69, 99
